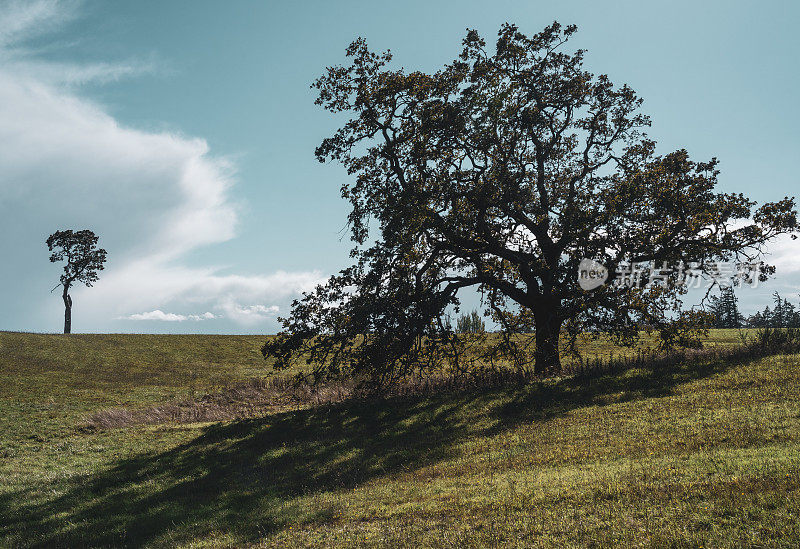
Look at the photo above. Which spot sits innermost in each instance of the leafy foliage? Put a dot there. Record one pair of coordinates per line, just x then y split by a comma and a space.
499, 173
80, 250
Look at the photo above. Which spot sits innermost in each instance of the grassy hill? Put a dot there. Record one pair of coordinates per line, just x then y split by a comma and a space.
695, 455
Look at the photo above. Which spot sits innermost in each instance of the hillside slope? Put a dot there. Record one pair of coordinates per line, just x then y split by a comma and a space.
702, 455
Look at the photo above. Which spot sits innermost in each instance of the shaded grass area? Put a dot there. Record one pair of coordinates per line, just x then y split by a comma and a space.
704, 454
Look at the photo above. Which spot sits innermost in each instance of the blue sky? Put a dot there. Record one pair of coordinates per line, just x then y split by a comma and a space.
183, 133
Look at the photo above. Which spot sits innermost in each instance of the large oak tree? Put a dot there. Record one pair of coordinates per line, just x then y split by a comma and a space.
499, 173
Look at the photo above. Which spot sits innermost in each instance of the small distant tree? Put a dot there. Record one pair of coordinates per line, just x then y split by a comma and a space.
84, 260
471, 323
725, 309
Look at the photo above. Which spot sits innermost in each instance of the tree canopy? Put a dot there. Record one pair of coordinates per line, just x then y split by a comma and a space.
499, 173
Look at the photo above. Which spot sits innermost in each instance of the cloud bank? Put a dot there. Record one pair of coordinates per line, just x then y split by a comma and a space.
153, 197
158, 314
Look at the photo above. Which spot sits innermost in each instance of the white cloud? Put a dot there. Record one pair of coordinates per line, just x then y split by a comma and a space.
158, 314
149, 284
249, 314
21, 20
784, 253
153, 197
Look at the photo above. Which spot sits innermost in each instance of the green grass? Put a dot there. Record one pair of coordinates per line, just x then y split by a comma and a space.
49, 382
703, 455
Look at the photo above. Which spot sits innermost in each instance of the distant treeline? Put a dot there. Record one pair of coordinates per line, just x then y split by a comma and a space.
725, 311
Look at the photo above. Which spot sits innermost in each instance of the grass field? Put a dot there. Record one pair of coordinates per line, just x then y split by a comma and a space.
695, 455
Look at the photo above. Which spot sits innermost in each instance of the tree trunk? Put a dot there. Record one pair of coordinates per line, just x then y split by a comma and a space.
548, 329
67, 311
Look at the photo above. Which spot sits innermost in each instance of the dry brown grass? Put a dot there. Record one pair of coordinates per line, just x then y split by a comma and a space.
255, 397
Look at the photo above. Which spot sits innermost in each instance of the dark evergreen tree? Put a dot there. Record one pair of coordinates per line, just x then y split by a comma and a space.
725, 309
785, 314
756, 320
471, 323
766, 318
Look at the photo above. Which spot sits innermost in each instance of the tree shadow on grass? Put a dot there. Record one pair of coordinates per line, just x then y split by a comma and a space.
247, 477
253, 477
545, 400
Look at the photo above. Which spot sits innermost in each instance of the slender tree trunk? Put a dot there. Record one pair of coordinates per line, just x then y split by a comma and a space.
548, 329
67, 310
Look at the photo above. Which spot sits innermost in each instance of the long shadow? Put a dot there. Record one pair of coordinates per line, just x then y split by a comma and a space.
545, 400
249, 477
